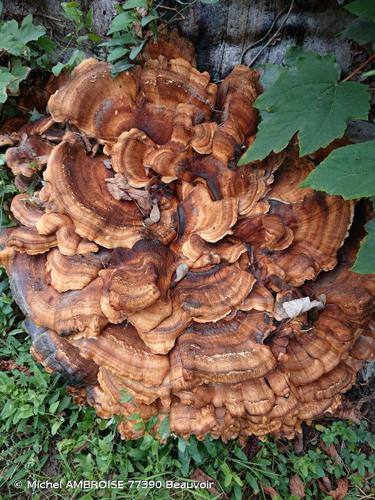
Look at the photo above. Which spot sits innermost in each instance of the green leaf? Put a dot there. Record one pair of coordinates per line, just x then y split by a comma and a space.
93, 37
76, 57
136, 50
164, 429
121, 22
45, 44
117, 54
120, 40
365, 262
121, 66
306, 98
73, 12
55, 427
57, 68
89, 18
209, 2
361, 31
126, 397
14, 39
362, 8
5, 79
270, 73
133, 4
19, 73
29, 32
367, 74
147, 19
348, 171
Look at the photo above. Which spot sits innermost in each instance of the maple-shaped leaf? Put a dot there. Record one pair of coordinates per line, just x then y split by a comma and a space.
362, 8
14, 39
306, 98
19, 73
365, 262
348, 171
5, 79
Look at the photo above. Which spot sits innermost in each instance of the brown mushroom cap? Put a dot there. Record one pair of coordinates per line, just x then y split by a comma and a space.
74, 272
99, 105
74, 312
78, 189
29, 156
157, 270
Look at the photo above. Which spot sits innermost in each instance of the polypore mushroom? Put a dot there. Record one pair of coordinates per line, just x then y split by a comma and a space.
159, 267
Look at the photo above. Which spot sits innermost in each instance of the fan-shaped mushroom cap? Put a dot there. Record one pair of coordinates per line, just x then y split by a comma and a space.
211, 295
59, 355
26, 209
128, 154
9, 131
364, 347
68, 241
160, 86
161, 337
202, 354
259, 299
98, 104
139, 277
265, 231
166, 84
236, 96
29, 156
170, 45
139, 391
199, 215
286, 186
319, 224
27, 239
328, 385
74, 312
351, 293
187, 420
78, 189
120, 350
76, 271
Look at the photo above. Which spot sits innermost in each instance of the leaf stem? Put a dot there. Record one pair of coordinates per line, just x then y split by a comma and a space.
359, 68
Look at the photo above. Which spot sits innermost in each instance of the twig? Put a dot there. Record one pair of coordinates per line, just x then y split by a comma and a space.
358, 68
270, 40
186, 6
254, 44
48, 17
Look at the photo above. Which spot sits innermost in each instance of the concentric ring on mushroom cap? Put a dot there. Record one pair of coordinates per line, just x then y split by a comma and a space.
78, 189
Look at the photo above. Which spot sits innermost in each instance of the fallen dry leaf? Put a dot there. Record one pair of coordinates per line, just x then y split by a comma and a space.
297, 486
199, 475
330, 450
350, 411
341, 490
120, 189
7, 365
325, 484
268, 490
298, 443
293, 308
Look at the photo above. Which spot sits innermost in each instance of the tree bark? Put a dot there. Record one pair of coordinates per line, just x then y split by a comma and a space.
222, 32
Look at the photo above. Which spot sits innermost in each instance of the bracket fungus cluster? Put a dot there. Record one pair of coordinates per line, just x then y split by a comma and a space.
150, 262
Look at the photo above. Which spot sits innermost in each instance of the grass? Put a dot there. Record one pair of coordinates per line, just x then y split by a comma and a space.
44, 435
